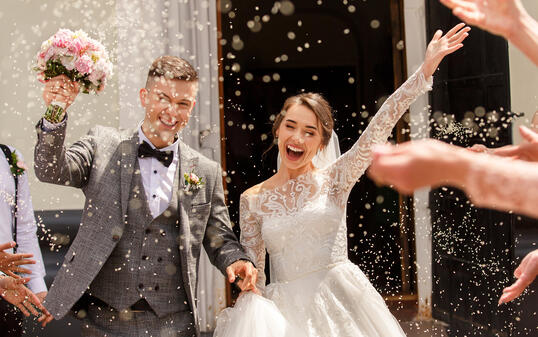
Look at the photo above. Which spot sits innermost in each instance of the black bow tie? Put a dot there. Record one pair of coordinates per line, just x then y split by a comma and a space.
146, 151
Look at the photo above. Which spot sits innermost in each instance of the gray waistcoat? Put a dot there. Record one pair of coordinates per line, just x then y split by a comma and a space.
145, 263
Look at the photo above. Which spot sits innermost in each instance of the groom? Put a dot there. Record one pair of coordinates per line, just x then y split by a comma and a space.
151, 202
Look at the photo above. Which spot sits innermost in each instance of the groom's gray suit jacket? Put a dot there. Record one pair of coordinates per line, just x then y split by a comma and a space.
102, 164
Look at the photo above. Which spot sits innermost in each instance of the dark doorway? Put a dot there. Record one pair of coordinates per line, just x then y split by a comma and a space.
344, 50
474, 249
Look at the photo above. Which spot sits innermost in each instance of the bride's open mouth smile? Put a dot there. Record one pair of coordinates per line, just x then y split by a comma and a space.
294, 153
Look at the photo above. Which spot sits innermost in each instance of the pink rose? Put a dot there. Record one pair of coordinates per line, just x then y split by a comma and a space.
41, 77
194, 178
60, 42
91, 45
22, 165
96, 76
61, 38
84, 64
77, 46
50, 53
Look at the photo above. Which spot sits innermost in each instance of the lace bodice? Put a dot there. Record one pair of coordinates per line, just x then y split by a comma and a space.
302, 223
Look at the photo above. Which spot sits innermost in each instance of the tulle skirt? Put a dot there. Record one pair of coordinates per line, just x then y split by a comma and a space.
337, 301
254, 315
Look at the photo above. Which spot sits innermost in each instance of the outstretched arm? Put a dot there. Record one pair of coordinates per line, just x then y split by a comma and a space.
56, 164
53, 162
441, 46
507, 18
528, 150
351, 166
489, 181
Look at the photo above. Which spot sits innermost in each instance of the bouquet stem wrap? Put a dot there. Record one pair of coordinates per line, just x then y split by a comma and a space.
55, 112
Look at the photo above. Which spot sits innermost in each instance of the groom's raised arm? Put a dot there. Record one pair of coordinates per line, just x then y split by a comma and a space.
55, 164
220, 242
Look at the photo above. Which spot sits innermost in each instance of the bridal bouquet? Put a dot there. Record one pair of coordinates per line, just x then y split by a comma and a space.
77, 56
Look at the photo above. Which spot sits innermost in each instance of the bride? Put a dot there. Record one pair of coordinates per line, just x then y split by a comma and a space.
299, 216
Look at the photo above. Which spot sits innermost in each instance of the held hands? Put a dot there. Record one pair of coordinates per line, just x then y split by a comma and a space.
496, 16
60, 89
525, 274
41, 296
440, 46
244, 274
9, 263
15, 292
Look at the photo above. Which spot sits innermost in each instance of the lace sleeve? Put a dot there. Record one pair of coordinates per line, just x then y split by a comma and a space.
508, 185
251, 239
347, 169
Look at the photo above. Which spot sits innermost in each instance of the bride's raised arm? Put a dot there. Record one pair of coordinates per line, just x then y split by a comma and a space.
352, 164
251, 238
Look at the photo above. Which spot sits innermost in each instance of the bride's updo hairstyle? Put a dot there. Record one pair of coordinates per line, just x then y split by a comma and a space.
318, 105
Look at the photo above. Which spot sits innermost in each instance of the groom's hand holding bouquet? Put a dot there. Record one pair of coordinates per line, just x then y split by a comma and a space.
60, 90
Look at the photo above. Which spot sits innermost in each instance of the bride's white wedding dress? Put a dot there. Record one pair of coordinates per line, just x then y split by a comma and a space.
302, 224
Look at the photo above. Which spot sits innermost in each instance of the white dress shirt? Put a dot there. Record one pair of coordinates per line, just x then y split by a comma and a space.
158, 180
26, 224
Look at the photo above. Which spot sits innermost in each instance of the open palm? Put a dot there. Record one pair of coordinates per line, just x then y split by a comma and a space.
494, 16
10, 263
442, 45
525, 274
528, 150
15, 292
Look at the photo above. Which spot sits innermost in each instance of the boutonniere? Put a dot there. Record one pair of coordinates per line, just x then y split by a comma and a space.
192, 181
18, 166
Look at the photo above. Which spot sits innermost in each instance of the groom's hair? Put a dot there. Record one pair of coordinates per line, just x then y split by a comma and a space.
172, 68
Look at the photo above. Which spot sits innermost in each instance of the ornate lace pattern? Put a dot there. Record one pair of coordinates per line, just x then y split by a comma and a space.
303, 221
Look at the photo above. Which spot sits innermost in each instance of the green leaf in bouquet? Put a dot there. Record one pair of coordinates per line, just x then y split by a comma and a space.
15, 169
56, 68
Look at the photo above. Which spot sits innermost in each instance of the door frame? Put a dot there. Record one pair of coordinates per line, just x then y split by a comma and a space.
407, 233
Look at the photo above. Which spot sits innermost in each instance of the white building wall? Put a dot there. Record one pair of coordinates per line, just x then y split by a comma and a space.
523, 81
25, 25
